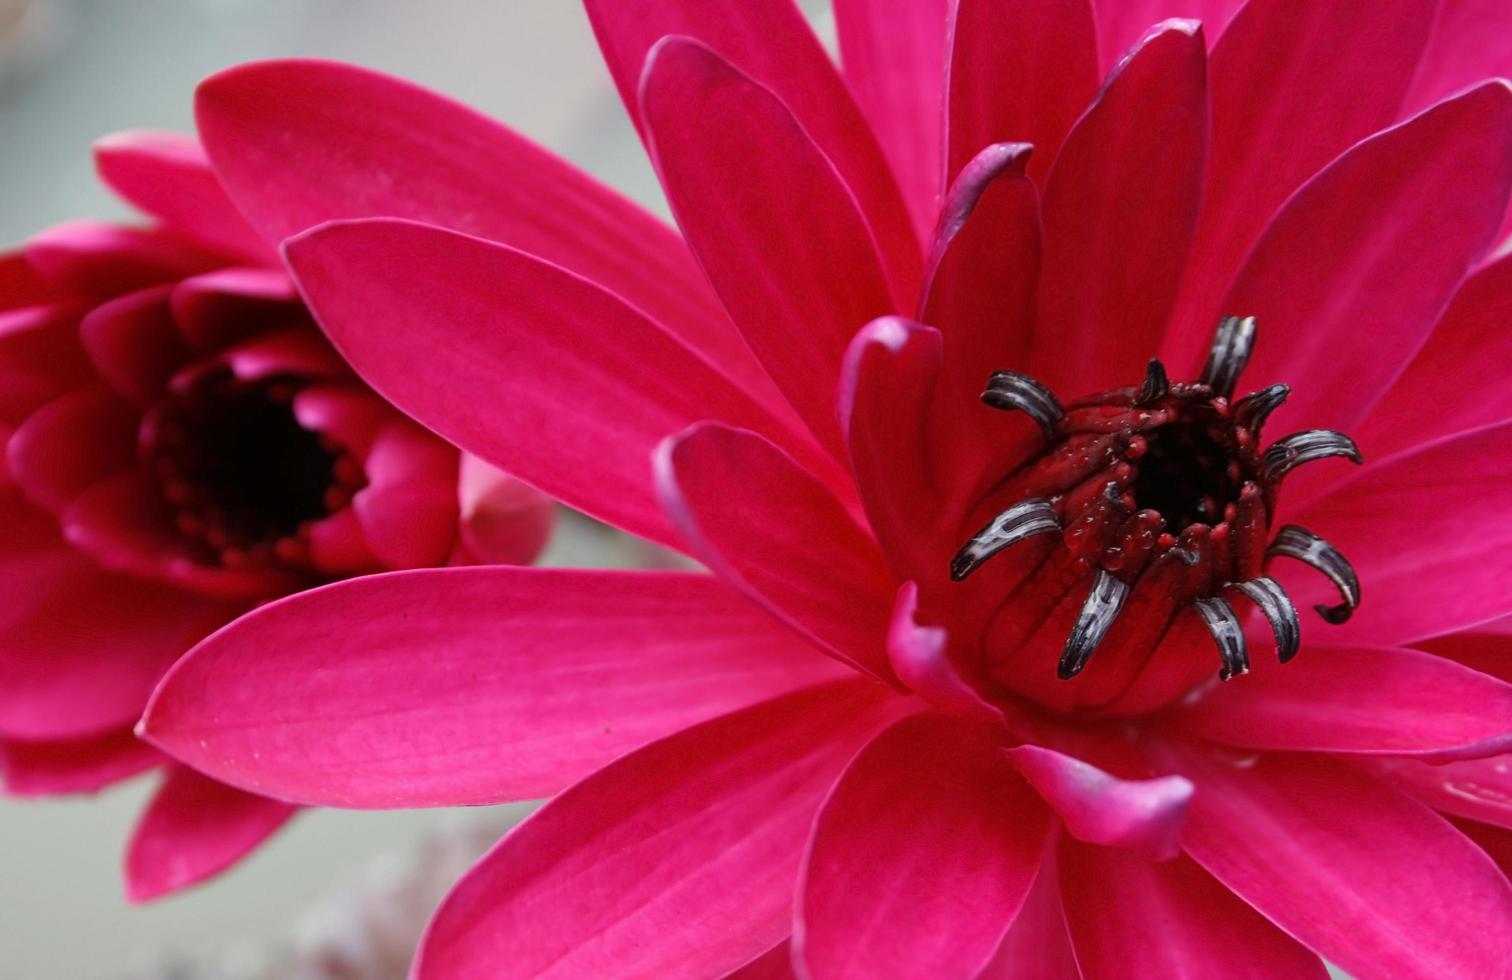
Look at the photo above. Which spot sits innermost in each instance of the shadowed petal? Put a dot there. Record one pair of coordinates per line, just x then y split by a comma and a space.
1471, 41
921, 856
194, 828
83, 765
1038, 945
1121, 23
678, 860
465, 686
1479, 789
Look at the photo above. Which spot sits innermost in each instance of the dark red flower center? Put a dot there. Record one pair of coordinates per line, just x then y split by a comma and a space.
1151, 508
239, 471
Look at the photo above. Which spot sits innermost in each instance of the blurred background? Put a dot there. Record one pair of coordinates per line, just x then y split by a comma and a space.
308, 904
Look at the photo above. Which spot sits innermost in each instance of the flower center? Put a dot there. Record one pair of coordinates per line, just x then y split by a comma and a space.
1152, 509
239, 471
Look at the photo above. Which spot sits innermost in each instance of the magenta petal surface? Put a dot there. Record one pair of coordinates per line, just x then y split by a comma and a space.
544, 374
69, 444
1341, 278
1143, 815
79, 765
921, 856
1119, 208
1133, 919
1373, 881
1038, 945
1371, 701
770, 219
1121, 23
1472, 40
1477, 789
464, 686
920, 655
793, 548
194, 828
677, 861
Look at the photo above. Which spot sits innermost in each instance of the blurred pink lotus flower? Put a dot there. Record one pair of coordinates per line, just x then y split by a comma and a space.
1016, 759
181, 445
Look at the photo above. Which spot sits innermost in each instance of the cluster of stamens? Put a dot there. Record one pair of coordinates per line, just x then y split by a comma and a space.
1163, 487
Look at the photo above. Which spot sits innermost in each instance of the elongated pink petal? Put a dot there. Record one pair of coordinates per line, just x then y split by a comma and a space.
1342, 287
1020, 72
82, 765
97, 258
501, 520
1456, 380
40, 358
194, 828
1038, 945
1478, 789
894, 57
769, 218
1426, 568
678, 860
1371, 880
921, 856
1294, 83
980, 293
134, 343
1371, 701
1142, 815
793, 548
770, 41
544, 374
887, 390
300, 142
298, 350
168, 176
1132, 918
1471, 41
920, 655
70, 443
408, 510
219, 308
1121, 23
464, 686
80, 648
1120, 206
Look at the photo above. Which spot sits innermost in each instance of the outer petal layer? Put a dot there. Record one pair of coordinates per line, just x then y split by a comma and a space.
465, 686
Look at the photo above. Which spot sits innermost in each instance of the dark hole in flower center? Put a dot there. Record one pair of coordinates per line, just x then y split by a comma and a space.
1186, 475
236, 465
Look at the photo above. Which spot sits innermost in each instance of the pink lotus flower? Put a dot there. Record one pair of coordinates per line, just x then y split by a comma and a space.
181, 445
1016, 759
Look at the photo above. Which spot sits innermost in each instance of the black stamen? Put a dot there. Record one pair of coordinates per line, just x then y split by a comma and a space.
1273, 602
1098, 612
1253, 409
1299, 543
1218, 616
1156, 384
1013, 525
1011, 391
1290, 452
1232, 345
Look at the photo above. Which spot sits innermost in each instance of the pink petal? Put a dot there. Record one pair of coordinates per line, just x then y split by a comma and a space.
219, 308
339, 547
920, 655
134, 344
21, 285
1456, 381
789, 545
79, 648
1020, 72
168, 177
1426, 567
1294, 84
501, 520
770, 41
1373, 881
193, 829
1495, 841
920, 858
980, 292
40, 358
69, 444
1479, 789
348, 413
678, 860
1131, 919
1341, 283
775, 964
83, 765
1143, 815
1038, 945
894, 58
1111, 266
887, 390
100, 259
1121, 23
1471, 41
466, 685
408, 510
1371, 701
298, 350
544, 374
300, 142
768, 217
